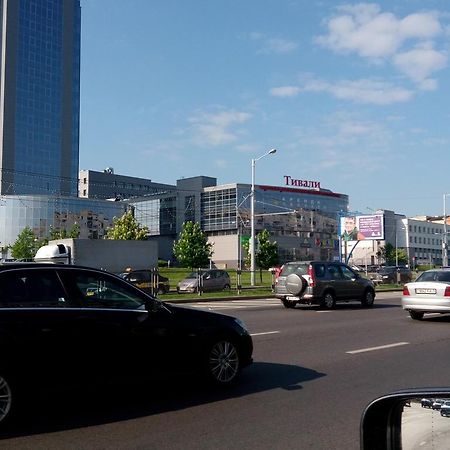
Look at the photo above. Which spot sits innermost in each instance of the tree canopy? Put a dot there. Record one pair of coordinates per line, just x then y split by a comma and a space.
127, 228
267, 253
26, 245
192, 249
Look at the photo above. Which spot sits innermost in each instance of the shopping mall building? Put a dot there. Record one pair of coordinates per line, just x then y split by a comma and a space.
303, 221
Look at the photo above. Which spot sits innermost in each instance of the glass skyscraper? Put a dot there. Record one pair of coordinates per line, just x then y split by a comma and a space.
39, 96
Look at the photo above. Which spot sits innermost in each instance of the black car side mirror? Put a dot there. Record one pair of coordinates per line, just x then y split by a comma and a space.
411, 418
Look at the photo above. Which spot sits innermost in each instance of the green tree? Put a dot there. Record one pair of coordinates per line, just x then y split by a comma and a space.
391, 255
127, 228
267, 253
25, 245
192, 249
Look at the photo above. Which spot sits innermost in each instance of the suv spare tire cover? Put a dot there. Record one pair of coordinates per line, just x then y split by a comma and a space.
295, 284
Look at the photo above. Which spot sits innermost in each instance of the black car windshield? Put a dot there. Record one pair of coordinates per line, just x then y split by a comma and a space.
386, 270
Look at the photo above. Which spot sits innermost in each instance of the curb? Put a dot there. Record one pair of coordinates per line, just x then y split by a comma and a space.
202, 299
218, 299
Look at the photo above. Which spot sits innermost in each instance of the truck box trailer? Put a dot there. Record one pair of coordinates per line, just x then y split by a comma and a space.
112, 255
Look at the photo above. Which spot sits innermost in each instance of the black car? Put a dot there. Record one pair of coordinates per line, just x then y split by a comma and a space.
392, 274
148, 280
66, 324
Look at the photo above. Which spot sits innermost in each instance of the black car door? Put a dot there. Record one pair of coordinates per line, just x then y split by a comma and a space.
119, 329
34, 311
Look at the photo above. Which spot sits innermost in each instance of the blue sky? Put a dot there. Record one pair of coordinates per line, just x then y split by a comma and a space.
354, 95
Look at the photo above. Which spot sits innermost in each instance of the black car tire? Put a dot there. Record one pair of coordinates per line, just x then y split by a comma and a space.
368, 298
288, 303
295, 284
416, 315
226, 287
328, 301
223, 362
8, 398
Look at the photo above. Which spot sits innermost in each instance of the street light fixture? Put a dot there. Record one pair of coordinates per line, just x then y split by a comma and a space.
444, 239
252, 218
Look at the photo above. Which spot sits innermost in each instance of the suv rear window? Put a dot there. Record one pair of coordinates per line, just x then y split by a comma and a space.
299, 269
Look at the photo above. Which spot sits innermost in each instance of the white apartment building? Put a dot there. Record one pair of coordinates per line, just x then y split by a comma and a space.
421, 237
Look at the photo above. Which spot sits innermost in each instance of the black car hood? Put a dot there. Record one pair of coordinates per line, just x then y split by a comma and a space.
197, 314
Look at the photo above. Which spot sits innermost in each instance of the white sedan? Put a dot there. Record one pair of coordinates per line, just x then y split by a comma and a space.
429, 293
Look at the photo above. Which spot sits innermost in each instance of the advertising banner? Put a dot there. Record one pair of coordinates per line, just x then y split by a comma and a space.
357, 228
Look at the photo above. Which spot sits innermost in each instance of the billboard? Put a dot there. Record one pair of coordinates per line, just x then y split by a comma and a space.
358, 228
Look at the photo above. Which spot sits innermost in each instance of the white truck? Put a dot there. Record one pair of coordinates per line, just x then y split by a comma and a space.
107, 254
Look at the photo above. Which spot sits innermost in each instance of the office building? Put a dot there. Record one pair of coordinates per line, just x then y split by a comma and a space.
108, 185
39, 96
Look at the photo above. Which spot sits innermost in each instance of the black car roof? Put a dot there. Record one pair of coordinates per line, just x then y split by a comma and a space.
5, 266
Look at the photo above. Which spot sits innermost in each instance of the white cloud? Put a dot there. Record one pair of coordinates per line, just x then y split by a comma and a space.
218, 128
279, 46
420, 62
221, 163
285, 91
380, 36
362, 91
273, 45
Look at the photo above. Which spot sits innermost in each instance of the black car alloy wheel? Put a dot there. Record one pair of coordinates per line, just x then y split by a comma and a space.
5, 398
223, 362
368, 298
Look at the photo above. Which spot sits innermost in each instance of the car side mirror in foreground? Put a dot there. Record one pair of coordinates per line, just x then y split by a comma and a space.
409, 419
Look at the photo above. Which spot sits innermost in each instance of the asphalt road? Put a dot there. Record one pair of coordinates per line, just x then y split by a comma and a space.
314, 372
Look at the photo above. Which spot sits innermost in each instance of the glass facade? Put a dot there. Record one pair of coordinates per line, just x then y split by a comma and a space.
43, 213
220, 207
41, 155
158, 215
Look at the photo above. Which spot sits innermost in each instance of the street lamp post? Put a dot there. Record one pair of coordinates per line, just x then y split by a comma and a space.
252, 218
444, 239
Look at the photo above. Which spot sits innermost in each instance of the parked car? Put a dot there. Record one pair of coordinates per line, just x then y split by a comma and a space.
427, 402
445, 409
438, 402
429, 293
206, 280
67, 324
322, 283
392, 274
147, 280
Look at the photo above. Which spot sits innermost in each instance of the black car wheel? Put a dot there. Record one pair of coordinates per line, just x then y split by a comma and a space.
223, 362
289, 303
368, 298
416, 315
226, 287
328, 301
5, 399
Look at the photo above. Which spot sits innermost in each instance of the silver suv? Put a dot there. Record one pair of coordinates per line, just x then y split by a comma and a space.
322, 283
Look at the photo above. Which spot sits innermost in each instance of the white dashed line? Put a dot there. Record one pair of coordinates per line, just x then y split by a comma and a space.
266, 332
381, 347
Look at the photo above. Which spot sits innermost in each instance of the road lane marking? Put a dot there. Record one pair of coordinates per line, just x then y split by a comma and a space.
381, 347
266, 332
